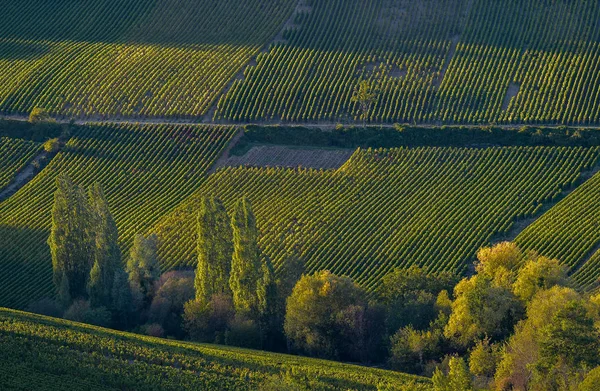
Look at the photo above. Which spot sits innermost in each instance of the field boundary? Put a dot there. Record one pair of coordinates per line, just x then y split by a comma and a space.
521, 225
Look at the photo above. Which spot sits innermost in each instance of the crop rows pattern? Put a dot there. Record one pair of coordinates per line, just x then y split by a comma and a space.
145, 170
65, 355
570, 231
129, 58
14, 154
433, 207
446, 60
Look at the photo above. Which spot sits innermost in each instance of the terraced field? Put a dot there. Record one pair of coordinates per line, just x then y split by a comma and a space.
63, 355
14, 154
146, 171
108, 58
454, 61
570, 231
432, 207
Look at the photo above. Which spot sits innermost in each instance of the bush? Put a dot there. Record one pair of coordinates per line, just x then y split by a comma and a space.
208, 322
166, 309
244, 333
154, 330
81, 311
39, 115
52, 145
47, 307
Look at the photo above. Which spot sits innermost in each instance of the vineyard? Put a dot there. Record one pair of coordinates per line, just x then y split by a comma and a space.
145, 170
450, 61
14, 154
109, 58
432, 207
570, 232
64, 355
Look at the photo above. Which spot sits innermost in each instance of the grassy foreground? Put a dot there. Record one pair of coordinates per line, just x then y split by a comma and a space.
41, 352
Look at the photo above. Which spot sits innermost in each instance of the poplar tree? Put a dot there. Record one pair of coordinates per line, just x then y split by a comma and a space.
70, 240
107, 254
215, 249
143, 268
245, 264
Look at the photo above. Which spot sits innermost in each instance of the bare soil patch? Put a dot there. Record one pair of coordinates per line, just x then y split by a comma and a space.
513, 90
282, 156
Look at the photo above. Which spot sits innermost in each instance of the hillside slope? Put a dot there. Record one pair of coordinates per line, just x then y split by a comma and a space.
145, 170
37, 351
449, 61
433, 207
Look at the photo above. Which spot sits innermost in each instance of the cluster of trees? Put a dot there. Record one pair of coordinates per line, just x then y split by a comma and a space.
517, 323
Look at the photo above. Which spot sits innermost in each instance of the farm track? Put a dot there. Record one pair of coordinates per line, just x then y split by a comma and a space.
313, 125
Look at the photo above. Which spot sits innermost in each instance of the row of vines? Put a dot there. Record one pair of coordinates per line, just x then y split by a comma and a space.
14, 154
62, 355
126, 58
570, 231
432, 207
145, 170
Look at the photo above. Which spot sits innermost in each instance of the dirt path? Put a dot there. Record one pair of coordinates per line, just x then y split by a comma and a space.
252, 62
25, 175
325, 125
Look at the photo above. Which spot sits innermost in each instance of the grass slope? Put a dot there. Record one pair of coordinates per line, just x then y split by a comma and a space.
165, 58
37, 351
384, 208
145, 170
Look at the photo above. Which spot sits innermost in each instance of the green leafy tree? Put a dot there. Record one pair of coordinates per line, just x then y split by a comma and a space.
458, 377
143, 269
327, 317
106, 254
122, 299
538, 274
215, 250
481, 309
500, 262
521, 353
71, 240
568, 344
365, 95
411, 294
246, 262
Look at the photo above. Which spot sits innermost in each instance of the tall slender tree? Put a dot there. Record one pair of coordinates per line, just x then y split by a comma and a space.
71, 240
107, 254
215, 249
245, 264
143, 269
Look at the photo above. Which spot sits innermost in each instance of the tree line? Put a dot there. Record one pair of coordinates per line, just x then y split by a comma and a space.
517, 323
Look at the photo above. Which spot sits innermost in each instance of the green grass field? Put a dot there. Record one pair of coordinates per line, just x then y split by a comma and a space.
39, 352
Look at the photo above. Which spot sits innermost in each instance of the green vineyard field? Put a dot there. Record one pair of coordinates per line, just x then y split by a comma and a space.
446, 61
64, 355
433, 207
14, 154
107, 58
570, 231
146, 171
